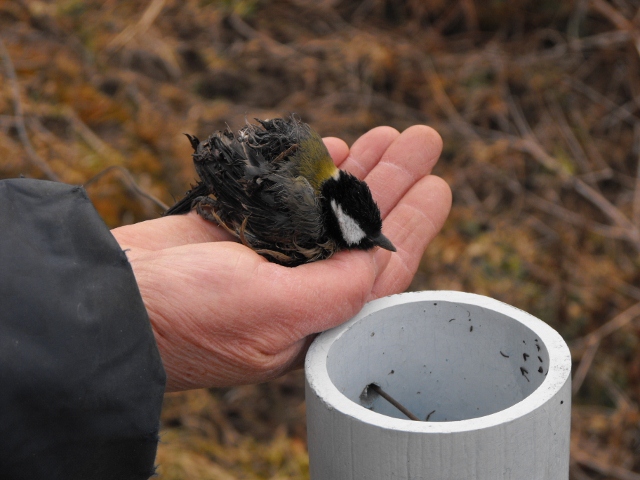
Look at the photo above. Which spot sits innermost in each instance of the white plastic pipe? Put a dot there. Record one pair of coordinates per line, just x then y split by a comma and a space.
493, 380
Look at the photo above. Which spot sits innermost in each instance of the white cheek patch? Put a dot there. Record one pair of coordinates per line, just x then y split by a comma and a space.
351, 231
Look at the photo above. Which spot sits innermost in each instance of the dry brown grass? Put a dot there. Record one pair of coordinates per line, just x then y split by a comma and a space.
538, 104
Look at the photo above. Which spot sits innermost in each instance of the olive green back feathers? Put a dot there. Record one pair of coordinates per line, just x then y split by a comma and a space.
275, 188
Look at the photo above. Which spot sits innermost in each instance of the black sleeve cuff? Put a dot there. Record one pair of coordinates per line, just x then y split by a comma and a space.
81, 379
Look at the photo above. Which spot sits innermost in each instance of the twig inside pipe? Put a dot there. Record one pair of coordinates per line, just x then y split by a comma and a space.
392, 401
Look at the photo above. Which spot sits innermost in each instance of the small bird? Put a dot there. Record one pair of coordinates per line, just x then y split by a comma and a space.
275, 187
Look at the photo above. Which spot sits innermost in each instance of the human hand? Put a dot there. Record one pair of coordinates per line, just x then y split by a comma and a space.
222, 315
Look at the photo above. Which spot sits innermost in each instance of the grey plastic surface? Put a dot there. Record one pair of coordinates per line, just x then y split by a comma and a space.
493, 380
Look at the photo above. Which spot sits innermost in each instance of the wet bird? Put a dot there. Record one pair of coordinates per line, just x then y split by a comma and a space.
275, 188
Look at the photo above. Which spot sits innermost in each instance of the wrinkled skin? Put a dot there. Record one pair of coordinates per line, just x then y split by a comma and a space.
222, 315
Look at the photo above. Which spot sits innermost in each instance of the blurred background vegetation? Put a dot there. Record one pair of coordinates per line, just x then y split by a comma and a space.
538, 103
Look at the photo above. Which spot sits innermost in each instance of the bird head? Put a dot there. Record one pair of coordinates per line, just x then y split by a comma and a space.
351, 216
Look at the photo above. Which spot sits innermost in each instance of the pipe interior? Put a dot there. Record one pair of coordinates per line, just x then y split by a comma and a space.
443, 360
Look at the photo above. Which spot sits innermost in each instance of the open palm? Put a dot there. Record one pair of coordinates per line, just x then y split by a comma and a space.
222, 315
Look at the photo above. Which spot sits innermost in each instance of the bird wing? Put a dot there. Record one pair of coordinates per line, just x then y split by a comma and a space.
185, 204
255, 190
261, 202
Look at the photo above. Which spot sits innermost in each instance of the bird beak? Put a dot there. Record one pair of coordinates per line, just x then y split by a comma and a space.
383, 242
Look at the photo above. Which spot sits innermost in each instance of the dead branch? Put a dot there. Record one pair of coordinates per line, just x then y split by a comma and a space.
619, 20
618, 114
576, 472
528, 143
32, 155
611, 14
130, 182
636, 191
148, 17
621, 399
583, 368
574, 218
95, 142
531, 145
444, 102
244, 29
594, 153
599, 466
574, 145
616, 323
623, 113
631, 231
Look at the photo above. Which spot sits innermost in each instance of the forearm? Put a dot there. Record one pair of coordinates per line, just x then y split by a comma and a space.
82, 382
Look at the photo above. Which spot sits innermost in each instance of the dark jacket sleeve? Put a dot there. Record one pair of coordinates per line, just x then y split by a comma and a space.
81, 380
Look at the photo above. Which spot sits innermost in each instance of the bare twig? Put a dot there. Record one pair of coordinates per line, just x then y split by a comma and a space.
89, 136
619, 20
444, 102
611, 14
632, 232
576, 148
576, 471
7, 121
611, 471
531, 145
623, 228
587, 139
244, 29
392, 401
619, 113
629, 290
616, 323
470, 14
554, 209
148, 17
131, 183
585, 364
364, 9
636, 192
82, 130
448, 16
621, 399
623, 113
601, 40
576, 19
33, 156
466, 191
574, 218
619, 321
519, 118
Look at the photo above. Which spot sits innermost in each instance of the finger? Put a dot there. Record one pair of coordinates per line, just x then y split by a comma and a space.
410, 157
171, 231
338, 149
411, 225
368, 149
